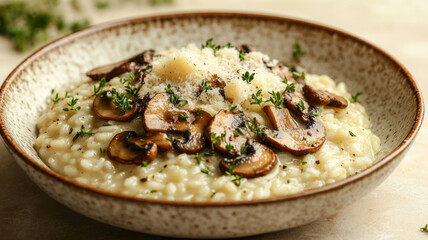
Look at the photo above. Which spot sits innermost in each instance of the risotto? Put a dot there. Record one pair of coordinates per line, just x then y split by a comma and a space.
217, 123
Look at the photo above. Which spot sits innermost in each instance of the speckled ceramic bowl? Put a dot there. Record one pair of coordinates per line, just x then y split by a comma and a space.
391, 98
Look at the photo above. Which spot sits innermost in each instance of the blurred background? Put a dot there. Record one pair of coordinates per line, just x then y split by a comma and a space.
395, 210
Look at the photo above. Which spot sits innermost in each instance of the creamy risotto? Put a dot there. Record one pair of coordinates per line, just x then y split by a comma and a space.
205, 124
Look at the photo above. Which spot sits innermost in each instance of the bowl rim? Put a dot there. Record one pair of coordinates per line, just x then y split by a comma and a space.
13, 146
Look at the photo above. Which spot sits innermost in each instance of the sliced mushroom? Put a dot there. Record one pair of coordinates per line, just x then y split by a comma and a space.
160, 139
193, 140
127, 148
104, 108
289, 136
284, 72
297, 104
321, 97
258, 160
114, 69
227, 124
161, 115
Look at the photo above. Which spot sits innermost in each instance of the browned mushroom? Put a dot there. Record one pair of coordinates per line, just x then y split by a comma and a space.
285, 72
224, 132
297, 104
104, 108
162, 116
322, 97
257, 160
114, 69
127, 148
160, 139
289, 136
193, 140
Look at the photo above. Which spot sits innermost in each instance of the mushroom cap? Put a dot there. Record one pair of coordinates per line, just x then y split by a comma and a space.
226, 123
161, 115
194, 140
289, 136
322, 97
291, 101
258, 160
159, 139
127, 148
112, 70
104, 108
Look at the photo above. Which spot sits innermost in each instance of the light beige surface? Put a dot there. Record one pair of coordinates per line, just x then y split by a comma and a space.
395, 210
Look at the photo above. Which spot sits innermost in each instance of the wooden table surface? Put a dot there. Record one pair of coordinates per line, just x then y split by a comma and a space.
397, 209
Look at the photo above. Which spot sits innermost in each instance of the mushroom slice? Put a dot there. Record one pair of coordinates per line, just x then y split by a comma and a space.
114, 69
289, 136
285, 72
160, 140
193, 140
161, 115
322, 97
127, 148
257, 160
223, 132
297, 104
104, 108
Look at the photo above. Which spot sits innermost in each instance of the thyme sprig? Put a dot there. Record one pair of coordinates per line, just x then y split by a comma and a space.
298, 50
100, 89
122, 102
72, 105
82, 132
247, 77
174, 98
354, 98
205, 85
290, 86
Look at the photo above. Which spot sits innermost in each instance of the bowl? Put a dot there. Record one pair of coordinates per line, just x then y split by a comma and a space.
390, 95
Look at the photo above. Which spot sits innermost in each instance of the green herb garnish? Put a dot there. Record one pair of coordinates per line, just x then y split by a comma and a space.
153, 191
170, 139
56, 99
144, 164
243, 149
290, 86
354, 98
72, 105
206, 171
298, 50
255, 127
352, 134
209, 44
301, 105
248, 77
424, 229
182, 116
100, 89
299, 75
205, 85
208, 154
242, 55
199, 113
121, 102
276, 99
82, 133
198, 158
229, 147
256, 98
233, 108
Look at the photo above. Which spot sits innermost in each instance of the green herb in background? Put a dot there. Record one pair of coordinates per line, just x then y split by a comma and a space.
31, 23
